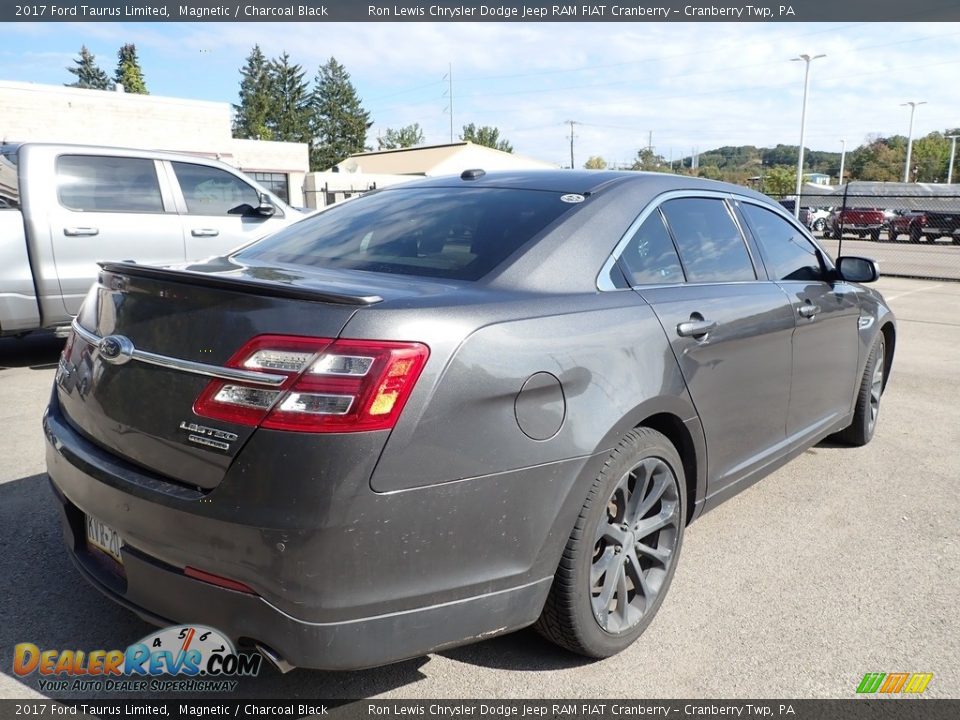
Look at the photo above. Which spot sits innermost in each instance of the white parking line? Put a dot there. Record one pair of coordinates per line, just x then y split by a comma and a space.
911, 292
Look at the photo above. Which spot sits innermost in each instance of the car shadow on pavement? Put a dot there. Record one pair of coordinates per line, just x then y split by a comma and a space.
37, 351
525, 650
46, 602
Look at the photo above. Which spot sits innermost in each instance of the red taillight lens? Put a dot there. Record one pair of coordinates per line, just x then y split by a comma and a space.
331, 386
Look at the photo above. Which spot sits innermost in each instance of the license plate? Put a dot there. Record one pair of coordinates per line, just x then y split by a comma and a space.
105, 538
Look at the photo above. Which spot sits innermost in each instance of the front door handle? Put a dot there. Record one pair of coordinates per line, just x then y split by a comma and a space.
809, 310
204, 232
78, 231
695, 328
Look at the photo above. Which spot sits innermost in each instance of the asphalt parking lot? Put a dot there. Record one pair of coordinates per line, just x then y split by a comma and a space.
844, 562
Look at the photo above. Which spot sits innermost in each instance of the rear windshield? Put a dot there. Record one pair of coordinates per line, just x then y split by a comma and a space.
452, 233
9, 185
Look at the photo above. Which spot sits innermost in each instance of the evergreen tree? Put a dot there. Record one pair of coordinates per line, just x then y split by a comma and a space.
288, 114
129, 73
486, 135
89, 75
252, 116
339, 122
405, 137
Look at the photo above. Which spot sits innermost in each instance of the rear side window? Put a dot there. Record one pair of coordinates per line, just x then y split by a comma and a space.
212, 191
9, 181
454, 233
650, 256
787, 253
94, 183
710, 244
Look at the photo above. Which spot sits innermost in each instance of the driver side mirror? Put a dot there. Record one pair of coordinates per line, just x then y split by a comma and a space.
266, 208
857, 269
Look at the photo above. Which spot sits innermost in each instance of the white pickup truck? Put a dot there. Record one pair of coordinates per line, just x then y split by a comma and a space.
64, 208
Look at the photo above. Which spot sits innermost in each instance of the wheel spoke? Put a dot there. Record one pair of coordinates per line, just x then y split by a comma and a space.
666, 517
661, 481
614, 534
660, 554
644, 474
601, 565
609, 586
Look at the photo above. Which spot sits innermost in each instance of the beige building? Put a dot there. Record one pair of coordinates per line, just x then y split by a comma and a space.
365, 171
51, 113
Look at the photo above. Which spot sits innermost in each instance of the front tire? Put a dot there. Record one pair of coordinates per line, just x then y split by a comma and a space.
867, 410
819, 224
622, 554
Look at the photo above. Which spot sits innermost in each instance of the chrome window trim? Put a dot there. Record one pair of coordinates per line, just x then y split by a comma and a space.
604, 283
188, 366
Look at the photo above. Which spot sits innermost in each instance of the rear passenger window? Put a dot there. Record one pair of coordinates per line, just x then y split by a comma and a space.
709, 241
96, 183
650, 256
211, 191
787, 253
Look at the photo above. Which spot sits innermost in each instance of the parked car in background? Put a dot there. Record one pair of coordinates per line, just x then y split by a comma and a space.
862, 222
274, 443
909, 223
814, 218
65, 207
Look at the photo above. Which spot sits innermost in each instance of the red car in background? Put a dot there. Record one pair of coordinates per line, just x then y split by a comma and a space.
857, 221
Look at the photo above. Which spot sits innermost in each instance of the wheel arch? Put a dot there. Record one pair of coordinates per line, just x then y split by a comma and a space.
679, 435
890, 340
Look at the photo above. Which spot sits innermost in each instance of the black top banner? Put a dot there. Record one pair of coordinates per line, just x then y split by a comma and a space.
670, 11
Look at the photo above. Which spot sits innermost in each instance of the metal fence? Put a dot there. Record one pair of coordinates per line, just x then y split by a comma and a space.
911, 229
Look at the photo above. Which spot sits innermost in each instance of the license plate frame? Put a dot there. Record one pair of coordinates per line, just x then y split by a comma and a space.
103, 538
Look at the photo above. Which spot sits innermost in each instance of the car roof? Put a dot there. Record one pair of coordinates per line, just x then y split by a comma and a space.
583, 182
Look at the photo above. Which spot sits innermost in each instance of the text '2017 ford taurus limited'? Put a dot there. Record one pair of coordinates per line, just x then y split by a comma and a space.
451, 409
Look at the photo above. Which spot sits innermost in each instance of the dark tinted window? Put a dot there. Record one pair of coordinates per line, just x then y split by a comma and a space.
650, 256
9, 181
709, 241
96, 183
212, 191
455, 233
786, 252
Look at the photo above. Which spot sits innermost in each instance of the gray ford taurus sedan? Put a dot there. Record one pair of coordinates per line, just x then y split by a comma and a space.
452, 409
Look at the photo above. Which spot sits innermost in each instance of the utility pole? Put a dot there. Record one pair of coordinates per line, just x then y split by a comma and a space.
449, 93
906, 166
843, 156
572, 123
807, 59
953, 153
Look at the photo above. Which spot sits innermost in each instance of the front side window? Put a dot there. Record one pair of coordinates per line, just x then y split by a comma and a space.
787, 253
212, 191
98, 183
455, 233
710, 244
650, 256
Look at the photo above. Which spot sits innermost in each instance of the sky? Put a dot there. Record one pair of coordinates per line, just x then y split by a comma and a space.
692, 85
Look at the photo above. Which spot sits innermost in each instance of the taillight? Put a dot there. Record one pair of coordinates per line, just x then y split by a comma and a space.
331, 386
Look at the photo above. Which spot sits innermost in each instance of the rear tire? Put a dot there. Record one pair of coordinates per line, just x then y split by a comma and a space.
819, 225
867, 410
875, 236
915, 235
622, 554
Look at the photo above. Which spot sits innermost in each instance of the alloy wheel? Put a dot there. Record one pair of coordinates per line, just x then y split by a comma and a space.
876, 387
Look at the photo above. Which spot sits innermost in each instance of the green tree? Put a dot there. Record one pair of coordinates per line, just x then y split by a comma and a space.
339, 122
129, 73
931, 154
88, 73
880, 159
779, 181
407, 136
288, 115
251, 117
487, 136
595, 162
649, 161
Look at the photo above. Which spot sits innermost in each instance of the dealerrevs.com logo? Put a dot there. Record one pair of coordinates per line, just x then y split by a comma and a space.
187, 658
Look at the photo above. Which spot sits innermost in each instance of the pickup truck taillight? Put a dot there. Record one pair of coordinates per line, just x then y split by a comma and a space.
331, 385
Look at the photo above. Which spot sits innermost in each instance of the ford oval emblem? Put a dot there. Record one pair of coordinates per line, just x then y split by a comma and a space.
116, 349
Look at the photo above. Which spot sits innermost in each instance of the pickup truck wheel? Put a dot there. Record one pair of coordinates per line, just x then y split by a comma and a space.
819, 224
867, 409
875, 236
915, 234
892, 235
622, 553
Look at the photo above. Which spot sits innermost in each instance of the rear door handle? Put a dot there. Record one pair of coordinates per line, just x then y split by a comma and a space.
695, 328
77, 231
809, 310
204, 232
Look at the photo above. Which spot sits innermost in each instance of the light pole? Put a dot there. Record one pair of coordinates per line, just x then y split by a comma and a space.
906, 165
843, 156
953, 154
803, 126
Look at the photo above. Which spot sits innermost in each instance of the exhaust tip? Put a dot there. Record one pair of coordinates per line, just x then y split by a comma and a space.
274, 658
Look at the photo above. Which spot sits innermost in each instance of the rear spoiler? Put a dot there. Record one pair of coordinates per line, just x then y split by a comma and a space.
241, 284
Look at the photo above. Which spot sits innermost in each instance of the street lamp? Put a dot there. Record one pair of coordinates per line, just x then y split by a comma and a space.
953, 153
843, 156
803, 126
906, 165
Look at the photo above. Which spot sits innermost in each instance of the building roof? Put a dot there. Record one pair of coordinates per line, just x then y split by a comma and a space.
444, 159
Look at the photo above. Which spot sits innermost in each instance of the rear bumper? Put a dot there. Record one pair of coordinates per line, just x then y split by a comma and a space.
342, 628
